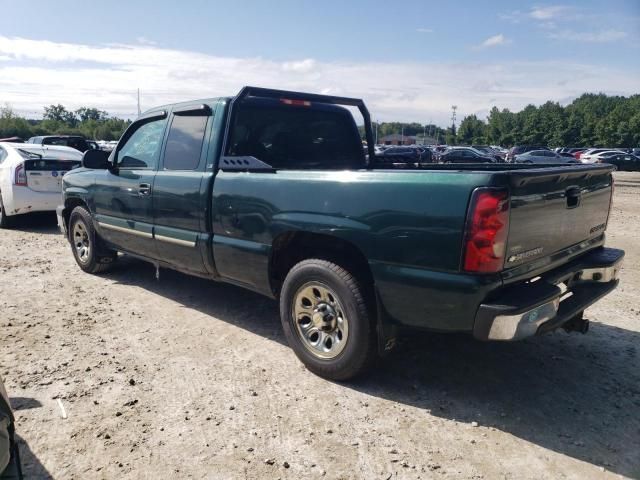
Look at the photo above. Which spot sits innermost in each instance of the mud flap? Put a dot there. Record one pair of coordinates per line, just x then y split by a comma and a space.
387, 330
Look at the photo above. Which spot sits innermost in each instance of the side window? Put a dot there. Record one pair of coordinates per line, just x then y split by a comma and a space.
142, 148
184, 143
3, 154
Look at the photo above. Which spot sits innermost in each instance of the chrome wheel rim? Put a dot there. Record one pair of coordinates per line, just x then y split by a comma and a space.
319, 320
81, 242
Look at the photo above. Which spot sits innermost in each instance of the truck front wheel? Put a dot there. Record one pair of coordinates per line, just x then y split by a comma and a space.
91, 256
327, 320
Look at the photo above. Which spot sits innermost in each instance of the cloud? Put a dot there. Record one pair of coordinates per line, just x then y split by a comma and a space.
549, 12
303, 66
494, 41
39, 73
424, 30
542, 14
145, 41
604, 36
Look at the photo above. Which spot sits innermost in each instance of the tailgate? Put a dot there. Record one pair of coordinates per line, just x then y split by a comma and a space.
44, 175
555, 208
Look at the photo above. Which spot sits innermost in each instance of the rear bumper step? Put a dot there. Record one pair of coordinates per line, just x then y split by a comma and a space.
556, 298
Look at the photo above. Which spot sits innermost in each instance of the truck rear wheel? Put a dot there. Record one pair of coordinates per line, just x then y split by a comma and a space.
90, 254
327, 320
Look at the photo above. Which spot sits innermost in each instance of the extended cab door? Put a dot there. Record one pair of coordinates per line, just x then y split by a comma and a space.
180, 193
123, 194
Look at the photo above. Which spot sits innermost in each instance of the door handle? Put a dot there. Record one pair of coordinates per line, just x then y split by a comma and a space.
144, 189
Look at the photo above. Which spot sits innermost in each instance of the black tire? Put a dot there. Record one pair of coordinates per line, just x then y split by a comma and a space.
5, 220
96, 258
360, 348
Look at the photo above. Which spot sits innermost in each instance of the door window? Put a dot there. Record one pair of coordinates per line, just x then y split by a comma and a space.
184, 143
142, 149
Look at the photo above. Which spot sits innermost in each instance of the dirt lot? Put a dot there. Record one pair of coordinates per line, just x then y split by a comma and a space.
184, 378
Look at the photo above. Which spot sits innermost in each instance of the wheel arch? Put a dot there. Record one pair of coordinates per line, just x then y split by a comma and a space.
291, 247
69, 204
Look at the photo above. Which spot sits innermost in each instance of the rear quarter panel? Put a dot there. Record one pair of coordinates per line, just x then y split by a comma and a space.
405, 224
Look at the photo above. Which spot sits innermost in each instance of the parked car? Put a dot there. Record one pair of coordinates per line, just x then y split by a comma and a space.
603, 156
543, 156
464, 155
589, 155
74, 141
289, 206
10, 467
93, 145
625, 162
491, 152
410, 154
31, 177
520, 149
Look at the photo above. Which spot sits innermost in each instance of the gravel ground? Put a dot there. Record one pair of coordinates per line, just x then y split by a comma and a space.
184, 378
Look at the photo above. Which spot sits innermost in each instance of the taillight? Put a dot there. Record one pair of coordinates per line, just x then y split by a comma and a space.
297, 103
20, 176
486, 231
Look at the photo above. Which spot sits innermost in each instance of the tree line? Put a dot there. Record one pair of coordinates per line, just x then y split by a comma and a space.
90, 122
591, 120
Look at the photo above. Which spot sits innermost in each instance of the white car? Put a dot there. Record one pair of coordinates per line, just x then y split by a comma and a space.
31, 177
603, 156
590, 156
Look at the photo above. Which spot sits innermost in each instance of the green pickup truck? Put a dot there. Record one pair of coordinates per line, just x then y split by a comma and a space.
273, 191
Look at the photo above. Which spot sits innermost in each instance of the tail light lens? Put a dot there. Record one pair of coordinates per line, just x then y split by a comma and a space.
486, 232
297, 103
20, 176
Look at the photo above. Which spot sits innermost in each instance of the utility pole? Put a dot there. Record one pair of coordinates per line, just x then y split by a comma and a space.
424, 135
138, 102
377, 132
453, 118
402, 135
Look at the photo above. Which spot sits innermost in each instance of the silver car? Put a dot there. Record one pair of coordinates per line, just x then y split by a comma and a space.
543, 157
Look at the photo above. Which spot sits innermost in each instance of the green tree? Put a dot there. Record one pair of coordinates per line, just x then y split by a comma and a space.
86, 114
59, 113
472, 131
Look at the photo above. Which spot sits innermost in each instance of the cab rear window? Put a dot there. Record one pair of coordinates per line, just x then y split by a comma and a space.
297, 137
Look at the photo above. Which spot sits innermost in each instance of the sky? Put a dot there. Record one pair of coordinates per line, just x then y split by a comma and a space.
409, 60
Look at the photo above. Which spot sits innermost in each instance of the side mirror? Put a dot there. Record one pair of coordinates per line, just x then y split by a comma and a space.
95, 159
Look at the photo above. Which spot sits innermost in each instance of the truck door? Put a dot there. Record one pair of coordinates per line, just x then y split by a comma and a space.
122, 195
180, 196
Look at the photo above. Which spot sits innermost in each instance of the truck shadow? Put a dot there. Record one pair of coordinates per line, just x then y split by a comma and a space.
229, 303
44, 223
578, 395
32, 468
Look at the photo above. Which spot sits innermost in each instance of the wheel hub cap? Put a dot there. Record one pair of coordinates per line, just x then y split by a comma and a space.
320, 321
325, 317
81, 242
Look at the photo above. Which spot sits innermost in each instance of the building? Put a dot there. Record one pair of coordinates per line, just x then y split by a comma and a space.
397, 139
